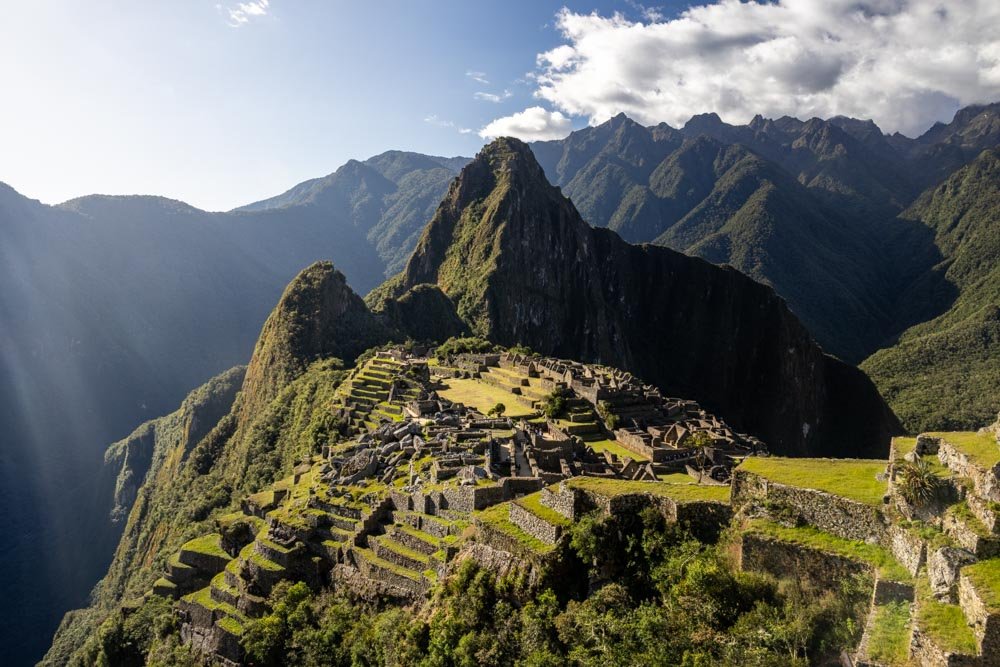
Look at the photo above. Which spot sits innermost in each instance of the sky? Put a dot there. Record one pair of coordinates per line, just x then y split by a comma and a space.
224, 103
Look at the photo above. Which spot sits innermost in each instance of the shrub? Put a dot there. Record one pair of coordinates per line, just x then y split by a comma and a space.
555, 403
917, 482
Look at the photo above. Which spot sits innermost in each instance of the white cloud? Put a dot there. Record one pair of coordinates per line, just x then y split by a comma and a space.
243, 12
434, 119
532, 124
479, 77
493, 97
903, 63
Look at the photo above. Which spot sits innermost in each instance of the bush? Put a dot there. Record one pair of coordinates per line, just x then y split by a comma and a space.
555, 403
454, 346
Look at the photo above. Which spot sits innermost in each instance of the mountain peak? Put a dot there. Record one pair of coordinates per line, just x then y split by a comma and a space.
318, 316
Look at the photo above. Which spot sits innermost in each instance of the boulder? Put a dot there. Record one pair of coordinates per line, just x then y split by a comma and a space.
943, 566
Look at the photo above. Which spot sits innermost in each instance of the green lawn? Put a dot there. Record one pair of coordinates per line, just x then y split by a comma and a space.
615, 448
853, 479
944, 623
679, 492
482, 396
904, 445
210, 545
808, 536
982, 449
889, 639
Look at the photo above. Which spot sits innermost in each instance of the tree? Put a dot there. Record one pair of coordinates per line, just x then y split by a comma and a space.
497, 410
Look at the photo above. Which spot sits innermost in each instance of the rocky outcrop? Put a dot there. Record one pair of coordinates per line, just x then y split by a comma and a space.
200, 411
943, 566
522, 267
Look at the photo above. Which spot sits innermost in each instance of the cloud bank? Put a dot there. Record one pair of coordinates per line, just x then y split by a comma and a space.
902, 63
532, 124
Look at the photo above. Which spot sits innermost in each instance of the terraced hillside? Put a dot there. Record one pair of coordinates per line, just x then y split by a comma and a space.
538, 471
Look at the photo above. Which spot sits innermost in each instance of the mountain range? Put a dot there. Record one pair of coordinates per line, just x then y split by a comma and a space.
881, 245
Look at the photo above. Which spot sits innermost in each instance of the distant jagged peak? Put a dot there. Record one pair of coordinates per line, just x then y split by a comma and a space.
704, 121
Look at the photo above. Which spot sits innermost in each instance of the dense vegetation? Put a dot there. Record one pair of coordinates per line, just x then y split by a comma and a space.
644, 593
944, 374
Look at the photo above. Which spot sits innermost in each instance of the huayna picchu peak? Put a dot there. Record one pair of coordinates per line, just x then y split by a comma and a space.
523, 268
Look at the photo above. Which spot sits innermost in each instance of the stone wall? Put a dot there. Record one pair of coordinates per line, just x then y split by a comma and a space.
985, 623
984, 481
759, 553
983, 511
842, 517
564, 501
534, 525
926, 653
908, 548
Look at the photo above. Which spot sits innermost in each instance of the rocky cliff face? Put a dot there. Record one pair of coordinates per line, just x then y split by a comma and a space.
522, 267
179, 431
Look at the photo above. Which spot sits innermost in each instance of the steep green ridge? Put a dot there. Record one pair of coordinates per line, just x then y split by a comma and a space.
522, 267
945, 373
280, 416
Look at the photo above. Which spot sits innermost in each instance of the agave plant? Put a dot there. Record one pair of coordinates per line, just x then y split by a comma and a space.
917, 482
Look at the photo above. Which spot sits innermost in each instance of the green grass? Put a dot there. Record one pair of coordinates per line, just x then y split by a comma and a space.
676, 478
498, 517
419, 534
210, 545
944, 623
686, 492
853, 479
533, 503
904, 445
163, 582
231, 625
403, 550
881, 559
370, 556
249, 554
982, 449
482, 397
615, 448
985, 577
889, 638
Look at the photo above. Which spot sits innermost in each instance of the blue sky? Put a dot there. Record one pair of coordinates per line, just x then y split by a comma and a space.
169, 98
222, 103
